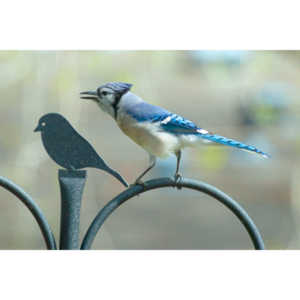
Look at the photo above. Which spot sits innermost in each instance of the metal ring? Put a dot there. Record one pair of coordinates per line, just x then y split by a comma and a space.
34, 209
169, 182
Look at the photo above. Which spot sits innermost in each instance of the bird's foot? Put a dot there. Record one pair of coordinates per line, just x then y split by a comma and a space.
137, 182
178, 179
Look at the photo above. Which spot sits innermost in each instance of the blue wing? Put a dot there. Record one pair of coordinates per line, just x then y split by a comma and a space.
145, 112
178, 125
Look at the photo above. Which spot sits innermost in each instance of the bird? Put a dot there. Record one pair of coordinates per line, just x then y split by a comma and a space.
68, 148
158, 131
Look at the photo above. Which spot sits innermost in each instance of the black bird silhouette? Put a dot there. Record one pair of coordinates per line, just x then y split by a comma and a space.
68, 148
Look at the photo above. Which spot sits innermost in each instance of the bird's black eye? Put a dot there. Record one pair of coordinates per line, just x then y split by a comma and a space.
43, 124
104, 93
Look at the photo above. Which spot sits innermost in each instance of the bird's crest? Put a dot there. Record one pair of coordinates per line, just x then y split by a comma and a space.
119, 87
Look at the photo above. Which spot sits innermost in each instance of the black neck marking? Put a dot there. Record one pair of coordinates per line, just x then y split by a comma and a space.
115, 105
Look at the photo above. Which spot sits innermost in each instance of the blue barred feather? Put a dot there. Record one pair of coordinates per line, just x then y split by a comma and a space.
233, 143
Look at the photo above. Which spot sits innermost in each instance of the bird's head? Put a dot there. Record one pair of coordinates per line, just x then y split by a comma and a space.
52, 121
108, 96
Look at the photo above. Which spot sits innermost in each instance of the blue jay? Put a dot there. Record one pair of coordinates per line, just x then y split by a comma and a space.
160, 132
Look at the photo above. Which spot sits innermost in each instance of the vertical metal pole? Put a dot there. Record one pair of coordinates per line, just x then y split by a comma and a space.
71, 188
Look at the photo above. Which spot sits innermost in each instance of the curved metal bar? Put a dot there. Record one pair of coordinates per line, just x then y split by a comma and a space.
34, 209
169, 182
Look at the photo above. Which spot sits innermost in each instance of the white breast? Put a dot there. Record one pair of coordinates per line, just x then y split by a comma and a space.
148, 136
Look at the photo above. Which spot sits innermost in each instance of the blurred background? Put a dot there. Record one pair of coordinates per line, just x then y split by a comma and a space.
252, 96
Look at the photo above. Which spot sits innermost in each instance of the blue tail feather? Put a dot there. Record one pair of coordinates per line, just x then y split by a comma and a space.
229, 142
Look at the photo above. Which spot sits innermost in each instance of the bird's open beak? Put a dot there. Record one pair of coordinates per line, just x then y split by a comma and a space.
38, 128
92, 95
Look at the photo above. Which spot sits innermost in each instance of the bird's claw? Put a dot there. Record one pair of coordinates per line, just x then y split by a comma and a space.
178, 179
137, 182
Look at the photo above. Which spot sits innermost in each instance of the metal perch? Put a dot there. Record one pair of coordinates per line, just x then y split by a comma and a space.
128, 194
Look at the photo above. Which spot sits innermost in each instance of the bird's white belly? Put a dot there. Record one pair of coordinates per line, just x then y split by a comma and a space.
148, 136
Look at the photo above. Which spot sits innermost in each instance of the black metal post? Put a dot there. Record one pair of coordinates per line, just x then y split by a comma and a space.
71, 187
